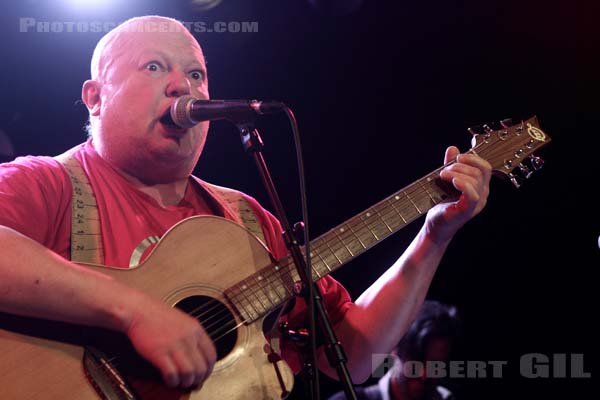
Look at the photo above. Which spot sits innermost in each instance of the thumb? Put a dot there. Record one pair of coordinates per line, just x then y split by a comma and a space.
451, 153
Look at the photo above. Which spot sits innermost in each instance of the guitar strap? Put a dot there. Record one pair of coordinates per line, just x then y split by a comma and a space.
237, 207
86, 234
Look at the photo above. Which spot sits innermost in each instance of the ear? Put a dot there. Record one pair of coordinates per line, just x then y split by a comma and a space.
90, 94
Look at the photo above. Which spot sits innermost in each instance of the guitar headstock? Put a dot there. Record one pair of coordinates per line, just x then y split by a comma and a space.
510, 147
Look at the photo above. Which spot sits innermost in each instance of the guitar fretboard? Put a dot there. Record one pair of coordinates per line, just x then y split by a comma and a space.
271, 286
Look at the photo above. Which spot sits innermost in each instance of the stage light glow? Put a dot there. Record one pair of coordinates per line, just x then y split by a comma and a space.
88, 4
203, 5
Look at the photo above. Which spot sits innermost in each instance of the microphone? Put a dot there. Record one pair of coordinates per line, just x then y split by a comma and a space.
187, 111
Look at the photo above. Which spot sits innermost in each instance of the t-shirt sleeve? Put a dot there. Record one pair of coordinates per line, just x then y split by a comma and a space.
35, 194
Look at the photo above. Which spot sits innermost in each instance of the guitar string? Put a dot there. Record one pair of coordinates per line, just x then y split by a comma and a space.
213, 304
341, 237
386, 209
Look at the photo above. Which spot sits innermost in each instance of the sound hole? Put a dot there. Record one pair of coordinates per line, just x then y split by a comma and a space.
216, 319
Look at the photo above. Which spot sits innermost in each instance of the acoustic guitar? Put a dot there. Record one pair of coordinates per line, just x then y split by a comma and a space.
224, 276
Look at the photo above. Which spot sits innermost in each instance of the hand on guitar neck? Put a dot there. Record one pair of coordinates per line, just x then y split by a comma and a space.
470, 175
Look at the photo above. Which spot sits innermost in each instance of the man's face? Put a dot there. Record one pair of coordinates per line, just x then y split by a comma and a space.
144, 74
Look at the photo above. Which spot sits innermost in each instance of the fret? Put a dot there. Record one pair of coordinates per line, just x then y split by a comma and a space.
248, 308
434, 184
368, 215
320, 258
271, 283
377, 228
263, 291
325, 253
332, 252
352, 242
412, 202
433, 201
253, 297
357, 237
397, 198
315, 272
408, 211
318, 265
389, 216
294, 273
342, 230
397, 221
281, 281
365, 234
341, 253
382, 219
250, 313
285, 274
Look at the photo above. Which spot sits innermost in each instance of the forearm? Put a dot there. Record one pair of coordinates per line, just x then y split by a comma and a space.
383, 313
36, 282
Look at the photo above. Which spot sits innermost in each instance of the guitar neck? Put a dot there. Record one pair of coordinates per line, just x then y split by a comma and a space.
271, 286
353, 237
506, 149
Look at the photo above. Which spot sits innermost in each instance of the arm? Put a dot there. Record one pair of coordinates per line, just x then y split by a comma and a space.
382, 314
36, 282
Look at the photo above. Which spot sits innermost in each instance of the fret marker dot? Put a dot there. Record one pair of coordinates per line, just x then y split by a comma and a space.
368, 214
429, 179
341, 229
277, 268
244, 287
259, 278
397, 197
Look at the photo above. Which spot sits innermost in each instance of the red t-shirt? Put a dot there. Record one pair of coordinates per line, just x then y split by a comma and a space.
36, 196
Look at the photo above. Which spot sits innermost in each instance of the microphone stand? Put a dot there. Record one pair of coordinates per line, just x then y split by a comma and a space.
253, 144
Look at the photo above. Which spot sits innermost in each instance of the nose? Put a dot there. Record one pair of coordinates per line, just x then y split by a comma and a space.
178, 85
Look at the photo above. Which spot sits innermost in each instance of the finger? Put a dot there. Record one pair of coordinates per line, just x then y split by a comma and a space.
463, 169
451, 153
470, 197
202, 367
167, 370
474, 160
185, 367
207, 347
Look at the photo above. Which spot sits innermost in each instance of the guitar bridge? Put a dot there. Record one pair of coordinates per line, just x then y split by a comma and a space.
104, 377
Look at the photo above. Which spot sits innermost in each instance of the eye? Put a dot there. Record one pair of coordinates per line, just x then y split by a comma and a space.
197, 75
154, 66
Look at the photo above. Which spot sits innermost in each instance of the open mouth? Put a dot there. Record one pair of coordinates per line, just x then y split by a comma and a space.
168, 123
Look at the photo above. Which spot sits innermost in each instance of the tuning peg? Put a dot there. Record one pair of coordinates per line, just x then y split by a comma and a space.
487, 129
536, 162
525, 171
515, 180
520, 128
506, 123
475, 130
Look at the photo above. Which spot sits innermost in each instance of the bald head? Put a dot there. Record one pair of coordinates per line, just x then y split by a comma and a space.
120, 40
138, 70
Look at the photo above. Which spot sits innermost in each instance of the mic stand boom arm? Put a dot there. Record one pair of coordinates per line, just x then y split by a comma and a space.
253, 144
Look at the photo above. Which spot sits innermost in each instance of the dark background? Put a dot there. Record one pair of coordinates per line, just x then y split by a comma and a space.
379, 94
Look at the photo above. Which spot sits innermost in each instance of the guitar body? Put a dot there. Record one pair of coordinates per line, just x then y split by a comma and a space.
198, 258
